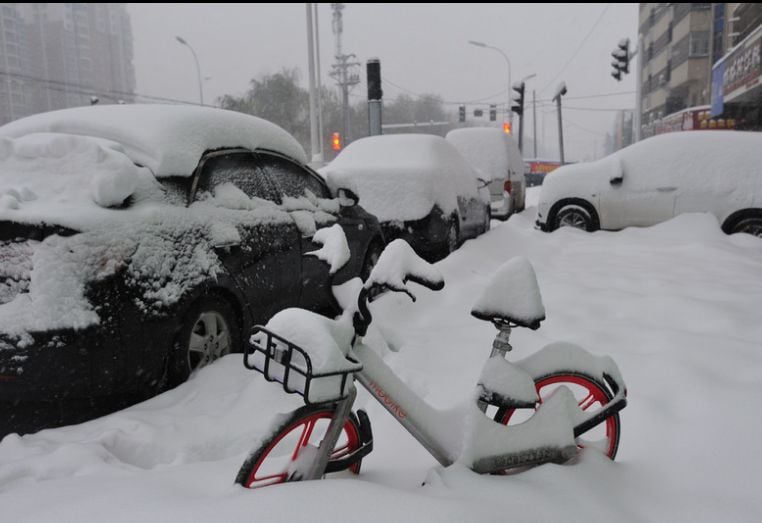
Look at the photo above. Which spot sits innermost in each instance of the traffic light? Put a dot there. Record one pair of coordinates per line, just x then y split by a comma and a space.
462, 113
621, 62
518, 99
507, 127
492, 113
336, 141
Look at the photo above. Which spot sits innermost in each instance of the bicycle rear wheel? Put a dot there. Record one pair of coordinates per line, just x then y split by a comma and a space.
591, 395
286, 452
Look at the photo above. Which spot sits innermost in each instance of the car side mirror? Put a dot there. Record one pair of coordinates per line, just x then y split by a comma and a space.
347, 197
617, 180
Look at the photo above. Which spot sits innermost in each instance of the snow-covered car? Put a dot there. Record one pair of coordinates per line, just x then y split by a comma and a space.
718, 172
141, 242
418, 185
498, 159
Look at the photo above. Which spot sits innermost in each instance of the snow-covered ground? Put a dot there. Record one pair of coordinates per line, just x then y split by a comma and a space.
678, 305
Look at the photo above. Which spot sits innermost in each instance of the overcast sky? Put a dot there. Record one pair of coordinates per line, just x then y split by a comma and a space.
423, 48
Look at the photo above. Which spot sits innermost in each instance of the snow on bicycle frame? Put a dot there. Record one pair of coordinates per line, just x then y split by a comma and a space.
306, 352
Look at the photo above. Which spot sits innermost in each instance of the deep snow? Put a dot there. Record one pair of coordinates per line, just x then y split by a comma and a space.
677, 305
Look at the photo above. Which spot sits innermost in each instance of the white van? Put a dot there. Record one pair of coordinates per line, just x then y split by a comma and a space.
496, 155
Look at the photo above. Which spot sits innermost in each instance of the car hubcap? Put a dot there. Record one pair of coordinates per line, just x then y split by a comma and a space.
573, 219
209, 340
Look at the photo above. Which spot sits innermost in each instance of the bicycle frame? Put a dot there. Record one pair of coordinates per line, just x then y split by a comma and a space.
483, 445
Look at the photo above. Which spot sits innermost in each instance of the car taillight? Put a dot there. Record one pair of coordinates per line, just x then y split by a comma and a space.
507, 186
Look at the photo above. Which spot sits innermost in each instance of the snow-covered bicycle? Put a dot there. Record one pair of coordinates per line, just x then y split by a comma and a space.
527, 412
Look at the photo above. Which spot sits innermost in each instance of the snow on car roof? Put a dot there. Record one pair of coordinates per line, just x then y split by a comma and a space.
168, 139
401, 177
68, 180
721, 162
486, 148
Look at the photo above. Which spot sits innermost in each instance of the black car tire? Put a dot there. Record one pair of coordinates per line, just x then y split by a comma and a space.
210, 329
750, 225
574, 216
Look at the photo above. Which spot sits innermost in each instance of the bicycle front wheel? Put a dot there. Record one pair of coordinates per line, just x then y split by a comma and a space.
286, 453
591, 395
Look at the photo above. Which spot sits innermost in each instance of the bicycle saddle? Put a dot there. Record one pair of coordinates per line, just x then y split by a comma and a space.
512, 296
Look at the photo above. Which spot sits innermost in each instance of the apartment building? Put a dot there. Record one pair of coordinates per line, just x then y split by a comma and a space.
676, 59
62, 55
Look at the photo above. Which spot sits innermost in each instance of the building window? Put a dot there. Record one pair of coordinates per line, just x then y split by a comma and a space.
668, 71
650, 50
669, 32
699, 43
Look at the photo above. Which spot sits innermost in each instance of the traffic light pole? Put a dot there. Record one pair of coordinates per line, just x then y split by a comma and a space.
374, 96
519, 108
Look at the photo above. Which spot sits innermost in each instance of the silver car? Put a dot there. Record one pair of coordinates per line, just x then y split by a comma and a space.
496, 155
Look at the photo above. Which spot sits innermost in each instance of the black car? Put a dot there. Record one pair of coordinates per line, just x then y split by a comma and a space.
112, 291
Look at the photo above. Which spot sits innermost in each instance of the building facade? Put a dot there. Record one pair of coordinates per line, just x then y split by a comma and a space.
675, 64
736, 80
64, 55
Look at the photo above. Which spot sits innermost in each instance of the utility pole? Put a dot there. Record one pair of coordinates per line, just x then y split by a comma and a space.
534, 122
319, 83
560, 91
343, 71
314, 133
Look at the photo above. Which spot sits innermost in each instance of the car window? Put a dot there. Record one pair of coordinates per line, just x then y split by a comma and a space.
291, 179
239, 169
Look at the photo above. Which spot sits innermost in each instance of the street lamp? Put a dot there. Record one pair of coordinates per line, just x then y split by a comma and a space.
198, 68
507, 61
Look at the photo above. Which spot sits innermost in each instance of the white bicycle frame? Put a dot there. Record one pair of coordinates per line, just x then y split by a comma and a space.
482, 444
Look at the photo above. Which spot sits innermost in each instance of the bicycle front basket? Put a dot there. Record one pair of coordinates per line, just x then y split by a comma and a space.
290, 365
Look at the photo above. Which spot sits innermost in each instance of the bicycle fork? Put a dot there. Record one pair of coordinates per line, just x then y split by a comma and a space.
332, 434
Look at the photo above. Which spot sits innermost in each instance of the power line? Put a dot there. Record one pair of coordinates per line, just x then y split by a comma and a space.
67, 87
597, 109
578, 48
447, 102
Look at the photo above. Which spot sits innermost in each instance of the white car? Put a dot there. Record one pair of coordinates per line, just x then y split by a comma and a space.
496, 155
420, 188
718, 172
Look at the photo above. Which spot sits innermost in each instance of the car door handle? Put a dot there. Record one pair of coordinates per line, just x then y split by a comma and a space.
666, 189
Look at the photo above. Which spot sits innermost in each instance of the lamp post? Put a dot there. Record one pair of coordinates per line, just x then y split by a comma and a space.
507, 61
198, 68
560, 91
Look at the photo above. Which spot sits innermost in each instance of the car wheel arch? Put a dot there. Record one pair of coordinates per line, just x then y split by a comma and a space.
585, 204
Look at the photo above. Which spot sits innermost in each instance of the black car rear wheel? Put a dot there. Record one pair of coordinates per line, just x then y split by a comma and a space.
210, 330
